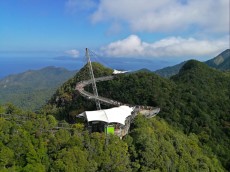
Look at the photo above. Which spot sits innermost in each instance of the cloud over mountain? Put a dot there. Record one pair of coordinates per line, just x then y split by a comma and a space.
133, 46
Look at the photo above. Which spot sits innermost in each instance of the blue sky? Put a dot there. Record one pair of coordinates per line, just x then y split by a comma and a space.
166, 29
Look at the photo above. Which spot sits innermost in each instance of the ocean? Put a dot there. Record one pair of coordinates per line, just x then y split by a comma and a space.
15, 65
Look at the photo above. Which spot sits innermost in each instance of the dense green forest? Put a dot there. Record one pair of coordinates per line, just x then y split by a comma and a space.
30, 90
152, 145
194, 101
220, 62
66, 103
191, 133
169, 71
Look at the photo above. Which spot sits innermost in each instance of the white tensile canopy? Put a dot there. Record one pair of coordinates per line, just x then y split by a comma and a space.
118, 71
113, 115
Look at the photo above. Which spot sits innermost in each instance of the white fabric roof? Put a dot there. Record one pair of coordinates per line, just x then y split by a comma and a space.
118, 71
116, 115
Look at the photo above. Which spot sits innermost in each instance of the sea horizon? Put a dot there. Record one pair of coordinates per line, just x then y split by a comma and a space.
11, 65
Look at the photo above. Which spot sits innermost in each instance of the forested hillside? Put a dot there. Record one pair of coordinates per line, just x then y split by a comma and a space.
203, 106
66, 103
170, 70
194, 101
152, 145
220, 62
31, 89
191, 133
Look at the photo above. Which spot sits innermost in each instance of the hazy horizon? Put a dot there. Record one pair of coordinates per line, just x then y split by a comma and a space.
121, 28
132, 34
12, 65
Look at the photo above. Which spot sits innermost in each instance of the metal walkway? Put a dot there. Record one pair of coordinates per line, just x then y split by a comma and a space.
147, 111
80, 88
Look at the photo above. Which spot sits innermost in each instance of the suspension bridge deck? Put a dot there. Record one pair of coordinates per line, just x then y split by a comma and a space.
147, 111
80, 88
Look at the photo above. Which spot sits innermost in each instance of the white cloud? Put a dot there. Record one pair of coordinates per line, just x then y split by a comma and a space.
73, 53
133, 46
166, 15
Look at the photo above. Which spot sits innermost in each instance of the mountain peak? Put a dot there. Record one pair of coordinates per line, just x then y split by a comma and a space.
98, 70
191, 65
225, 54
65, 93
221, 61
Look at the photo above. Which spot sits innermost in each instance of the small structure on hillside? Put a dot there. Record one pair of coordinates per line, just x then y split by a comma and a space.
113, 121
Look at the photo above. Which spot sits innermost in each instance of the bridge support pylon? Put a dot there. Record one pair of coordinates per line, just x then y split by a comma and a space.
98, 105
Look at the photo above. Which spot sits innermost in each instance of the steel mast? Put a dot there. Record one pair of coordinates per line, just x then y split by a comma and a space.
98, 105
